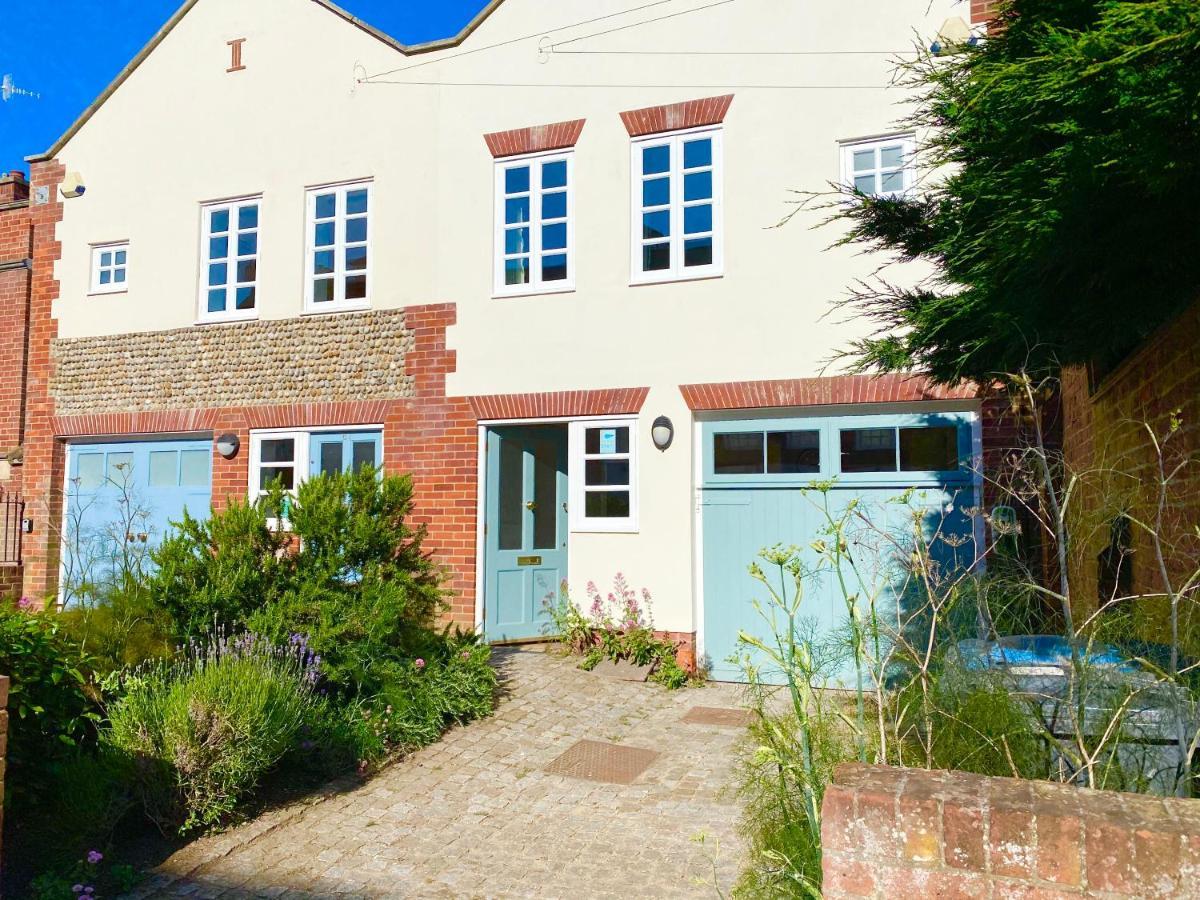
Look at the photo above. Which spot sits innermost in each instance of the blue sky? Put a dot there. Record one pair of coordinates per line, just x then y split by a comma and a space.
83, 44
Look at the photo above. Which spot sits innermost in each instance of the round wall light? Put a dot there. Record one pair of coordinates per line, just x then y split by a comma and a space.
662, 432
228, 444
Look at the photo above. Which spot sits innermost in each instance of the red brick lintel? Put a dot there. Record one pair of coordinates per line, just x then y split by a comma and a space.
535, 138
361, 412
820, 392
675, 116
611, 401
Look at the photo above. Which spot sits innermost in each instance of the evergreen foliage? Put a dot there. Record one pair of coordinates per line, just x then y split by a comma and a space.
1060, 212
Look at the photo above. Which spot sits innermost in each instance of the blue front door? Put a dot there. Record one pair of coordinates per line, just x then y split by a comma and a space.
525, 529
121, 499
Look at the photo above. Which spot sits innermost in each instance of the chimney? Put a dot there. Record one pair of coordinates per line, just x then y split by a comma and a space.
13, 187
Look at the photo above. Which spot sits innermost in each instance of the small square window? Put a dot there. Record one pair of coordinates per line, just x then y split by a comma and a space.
109, 268
879, 168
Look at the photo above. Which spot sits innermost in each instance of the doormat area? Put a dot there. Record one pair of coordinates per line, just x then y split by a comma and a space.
725, 716
601, 761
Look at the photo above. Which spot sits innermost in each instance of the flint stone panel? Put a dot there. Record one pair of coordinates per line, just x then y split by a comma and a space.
344, 357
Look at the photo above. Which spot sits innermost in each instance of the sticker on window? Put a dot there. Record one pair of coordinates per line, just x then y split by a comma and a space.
608, 440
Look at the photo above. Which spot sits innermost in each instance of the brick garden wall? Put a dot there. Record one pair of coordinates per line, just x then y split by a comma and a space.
910, 833
1106, 442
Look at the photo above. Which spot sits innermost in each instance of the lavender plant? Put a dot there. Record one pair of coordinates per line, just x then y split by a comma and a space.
205, 729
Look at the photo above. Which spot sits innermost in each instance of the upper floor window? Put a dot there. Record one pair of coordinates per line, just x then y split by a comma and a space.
229, 260
676, 225
337, 259
535, 240
110, 271
880, 167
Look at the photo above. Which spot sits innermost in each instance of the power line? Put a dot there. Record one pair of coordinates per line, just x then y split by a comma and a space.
714, 87
727, 52
517, 40
682, 12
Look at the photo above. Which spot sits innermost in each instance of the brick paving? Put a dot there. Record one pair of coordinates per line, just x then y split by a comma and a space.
477, 815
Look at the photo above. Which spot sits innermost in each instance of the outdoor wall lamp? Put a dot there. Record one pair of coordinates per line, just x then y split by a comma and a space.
662, 432
228, 444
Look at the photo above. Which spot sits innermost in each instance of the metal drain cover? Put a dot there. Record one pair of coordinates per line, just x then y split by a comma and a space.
718, 715
601, 761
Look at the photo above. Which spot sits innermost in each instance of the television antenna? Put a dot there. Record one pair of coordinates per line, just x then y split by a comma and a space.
8, 90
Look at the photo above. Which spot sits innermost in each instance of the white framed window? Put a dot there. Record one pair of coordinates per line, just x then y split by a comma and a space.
879, 167
535, 224
110, 268
229, 259
290, 457
602, 475
677, 219
337, 257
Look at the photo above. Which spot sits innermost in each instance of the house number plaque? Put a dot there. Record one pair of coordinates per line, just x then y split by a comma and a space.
529, 560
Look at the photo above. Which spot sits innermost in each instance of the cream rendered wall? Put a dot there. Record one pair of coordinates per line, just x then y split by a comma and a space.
181, 131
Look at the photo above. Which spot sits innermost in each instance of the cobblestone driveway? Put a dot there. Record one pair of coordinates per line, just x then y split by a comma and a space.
476, 816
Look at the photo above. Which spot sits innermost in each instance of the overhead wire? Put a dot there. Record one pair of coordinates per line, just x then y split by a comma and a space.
517, 40
379, 78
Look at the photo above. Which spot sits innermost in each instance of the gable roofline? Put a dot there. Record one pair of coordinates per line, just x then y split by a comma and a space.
177, 16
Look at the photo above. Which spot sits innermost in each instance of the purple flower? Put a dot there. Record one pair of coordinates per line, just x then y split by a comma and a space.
77, 889
419, 663
25, 604
88, 889
94, 856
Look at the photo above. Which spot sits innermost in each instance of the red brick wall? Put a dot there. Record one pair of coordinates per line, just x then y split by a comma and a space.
42, 470
11, 579
1107, 445
983, 10
15, 248
890, 832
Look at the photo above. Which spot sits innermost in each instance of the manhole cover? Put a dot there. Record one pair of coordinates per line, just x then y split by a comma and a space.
600, 761
718, 715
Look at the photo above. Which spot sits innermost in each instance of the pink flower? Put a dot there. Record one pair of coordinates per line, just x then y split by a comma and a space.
419, 663
466, 654
25, 604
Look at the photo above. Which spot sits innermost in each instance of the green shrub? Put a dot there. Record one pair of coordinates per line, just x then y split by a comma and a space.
354, 580
978, 726
51, 701
121, 630
203, 732
453, 684
90, 876
213, 573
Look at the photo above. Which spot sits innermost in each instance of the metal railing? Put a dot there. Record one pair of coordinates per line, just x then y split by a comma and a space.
12, 512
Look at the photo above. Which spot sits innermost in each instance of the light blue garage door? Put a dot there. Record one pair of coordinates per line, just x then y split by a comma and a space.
757, 492
120, 501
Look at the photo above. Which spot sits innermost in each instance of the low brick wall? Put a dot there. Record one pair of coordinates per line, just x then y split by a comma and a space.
912, 834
